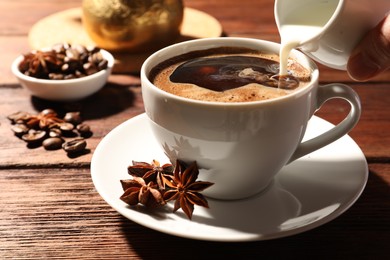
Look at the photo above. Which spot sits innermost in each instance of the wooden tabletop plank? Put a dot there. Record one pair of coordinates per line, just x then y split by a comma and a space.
57, 213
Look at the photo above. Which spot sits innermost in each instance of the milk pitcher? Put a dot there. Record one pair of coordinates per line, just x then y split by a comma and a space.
328, 30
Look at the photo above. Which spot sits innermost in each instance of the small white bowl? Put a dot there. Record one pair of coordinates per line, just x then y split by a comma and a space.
65, 89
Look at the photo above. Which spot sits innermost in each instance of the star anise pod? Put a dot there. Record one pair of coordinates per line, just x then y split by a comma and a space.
39, 64
152, 172
45, 119
184, 188
137, 191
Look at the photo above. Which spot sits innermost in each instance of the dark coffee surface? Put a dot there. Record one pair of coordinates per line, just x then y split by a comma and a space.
227, 74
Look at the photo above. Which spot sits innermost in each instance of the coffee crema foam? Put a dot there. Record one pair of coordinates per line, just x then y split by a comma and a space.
161, 76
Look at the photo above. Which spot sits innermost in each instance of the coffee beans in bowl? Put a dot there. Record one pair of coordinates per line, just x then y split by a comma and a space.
63, 72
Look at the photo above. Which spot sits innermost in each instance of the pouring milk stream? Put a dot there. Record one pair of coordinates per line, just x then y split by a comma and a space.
297, 29
325, 30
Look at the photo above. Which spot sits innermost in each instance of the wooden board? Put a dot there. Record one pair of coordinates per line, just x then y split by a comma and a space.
66, 26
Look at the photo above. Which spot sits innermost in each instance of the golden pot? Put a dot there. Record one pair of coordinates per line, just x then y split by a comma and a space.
132, 25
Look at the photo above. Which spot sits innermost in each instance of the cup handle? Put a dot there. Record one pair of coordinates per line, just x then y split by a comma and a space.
326, 92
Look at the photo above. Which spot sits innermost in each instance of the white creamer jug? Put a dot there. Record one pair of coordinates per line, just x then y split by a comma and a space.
327, 30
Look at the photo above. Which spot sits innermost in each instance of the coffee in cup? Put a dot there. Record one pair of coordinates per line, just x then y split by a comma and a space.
228, 74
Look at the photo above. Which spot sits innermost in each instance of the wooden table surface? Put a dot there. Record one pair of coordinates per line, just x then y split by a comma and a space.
50, 208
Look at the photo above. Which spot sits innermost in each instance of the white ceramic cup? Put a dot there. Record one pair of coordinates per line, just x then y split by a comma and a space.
240, 147
343, 29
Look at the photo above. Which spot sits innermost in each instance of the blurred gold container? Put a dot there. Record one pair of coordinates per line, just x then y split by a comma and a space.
134, 26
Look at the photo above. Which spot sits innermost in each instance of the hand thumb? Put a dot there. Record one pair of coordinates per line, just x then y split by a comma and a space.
372, 55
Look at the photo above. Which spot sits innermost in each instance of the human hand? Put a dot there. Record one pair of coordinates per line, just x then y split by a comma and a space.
372, 55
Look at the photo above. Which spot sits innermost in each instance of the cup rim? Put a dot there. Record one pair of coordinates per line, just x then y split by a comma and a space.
207, 43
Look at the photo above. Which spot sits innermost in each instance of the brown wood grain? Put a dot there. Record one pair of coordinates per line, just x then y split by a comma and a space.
56, 213
51, 210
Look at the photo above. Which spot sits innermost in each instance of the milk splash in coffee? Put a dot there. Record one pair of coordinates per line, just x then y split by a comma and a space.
303, 23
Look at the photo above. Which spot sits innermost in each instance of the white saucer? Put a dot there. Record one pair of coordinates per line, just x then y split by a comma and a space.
305, 194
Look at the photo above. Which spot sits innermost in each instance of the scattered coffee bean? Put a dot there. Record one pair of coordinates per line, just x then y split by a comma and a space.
66, 127
75, 146
73, 117
52, 143
84, 130
48, 112
34, 136
19, 117
49, 130
55, 132
19, 129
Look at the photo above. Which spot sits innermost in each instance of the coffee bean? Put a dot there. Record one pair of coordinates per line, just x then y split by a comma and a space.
70, 76
52, 143
103, 64
55, 132
95, 58
84, 130
72, 54
66, 127
89, 68
56, 76
48, 111
73, 117
34, 136
20, 129
80, 49
64, 67
75, 146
